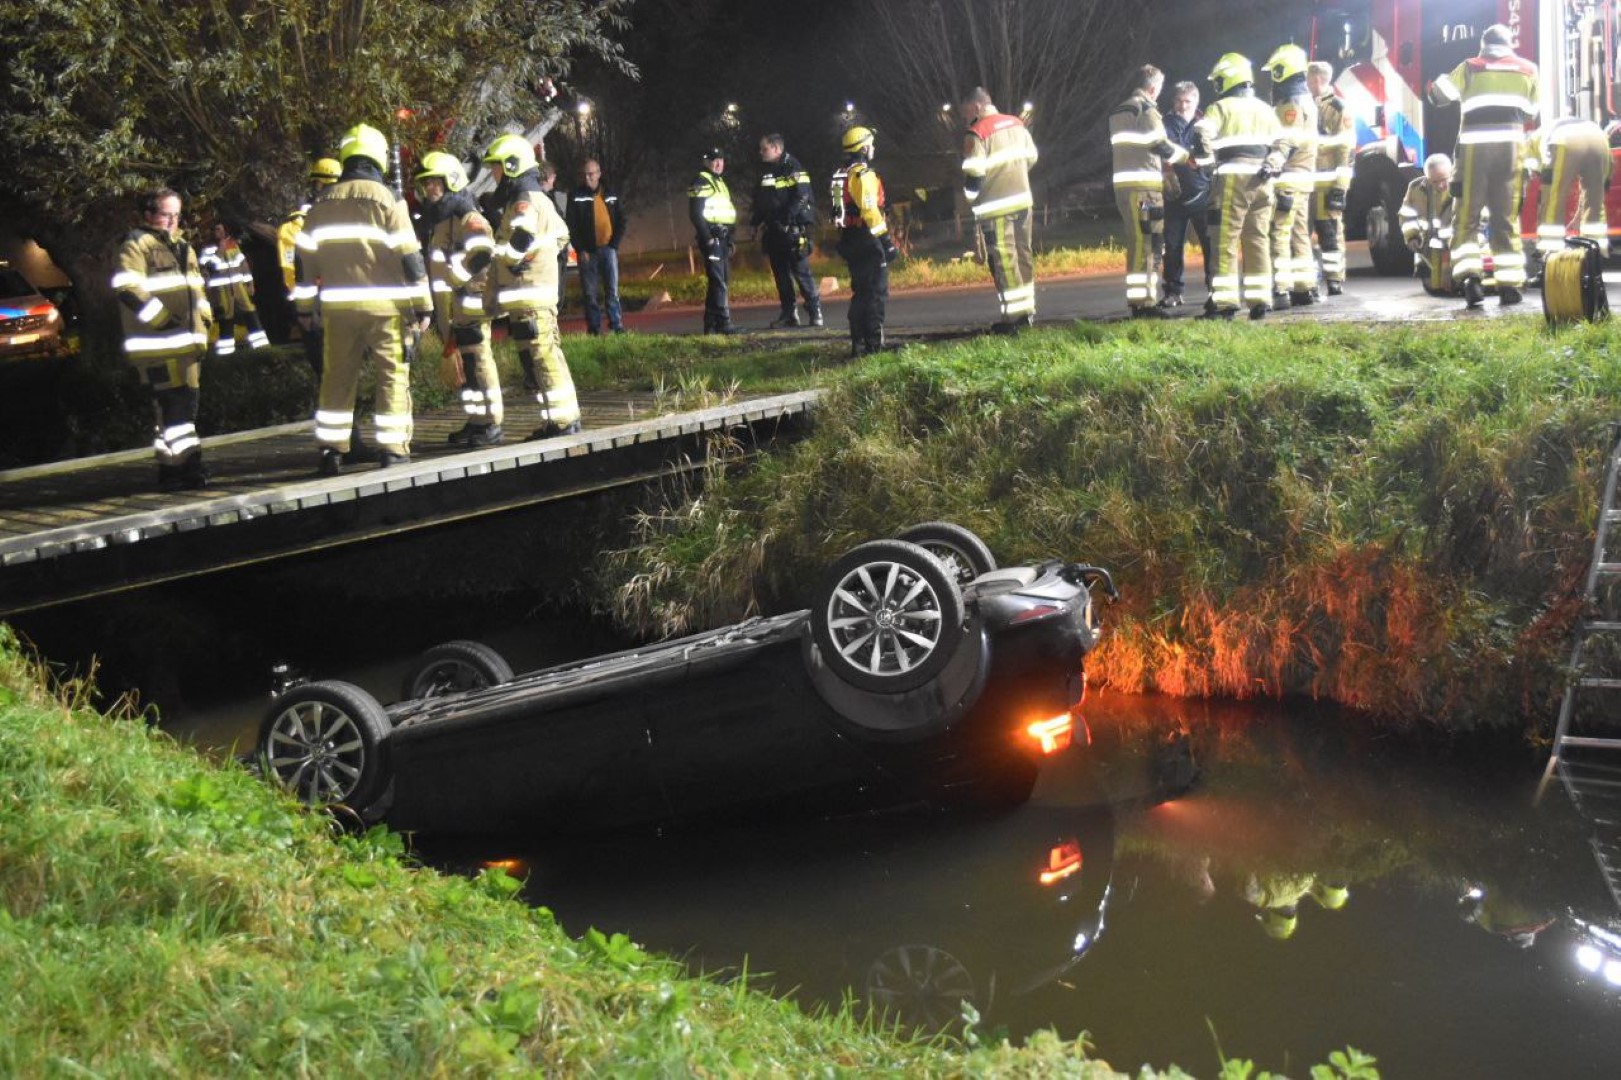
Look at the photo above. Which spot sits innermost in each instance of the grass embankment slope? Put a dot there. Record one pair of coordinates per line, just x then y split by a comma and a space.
1393, 517
163, 916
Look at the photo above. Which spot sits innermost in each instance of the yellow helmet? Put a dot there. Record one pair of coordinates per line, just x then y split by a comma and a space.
365, 141
513, 153
325, 171
1230, 72
857, 140
1285, 62
436, 164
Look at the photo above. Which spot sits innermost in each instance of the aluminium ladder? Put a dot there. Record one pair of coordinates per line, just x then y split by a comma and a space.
1587, 761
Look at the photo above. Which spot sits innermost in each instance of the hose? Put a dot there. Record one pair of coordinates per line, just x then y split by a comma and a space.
1573, 285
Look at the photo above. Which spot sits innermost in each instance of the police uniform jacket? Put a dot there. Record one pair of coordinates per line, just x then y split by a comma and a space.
159, 285
784, 196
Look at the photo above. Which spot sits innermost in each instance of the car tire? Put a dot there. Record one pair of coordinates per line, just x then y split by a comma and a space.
327, 743
889, 617
455, 666
963, 553
919, 988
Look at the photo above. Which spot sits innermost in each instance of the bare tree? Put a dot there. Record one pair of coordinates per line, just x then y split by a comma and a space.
1066, 58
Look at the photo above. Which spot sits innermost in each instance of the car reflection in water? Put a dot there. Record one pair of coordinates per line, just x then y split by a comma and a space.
932, 913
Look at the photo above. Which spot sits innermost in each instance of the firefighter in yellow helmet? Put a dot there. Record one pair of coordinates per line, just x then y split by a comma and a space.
1240, 139
1277, 897
1571, 155
1496, 93
360, 268
323, 174
1141, 149
165, 316
864, 241
713, 215
522, 283
997, 155
461, 246
1294, 270
230, 291
1336, 151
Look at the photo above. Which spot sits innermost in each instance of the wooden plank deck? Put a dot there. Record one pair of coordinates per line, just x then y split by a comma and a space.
80, 528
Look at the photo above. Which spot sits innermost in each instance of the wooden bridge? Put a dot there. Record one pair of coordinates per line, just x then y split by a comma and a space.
91, 526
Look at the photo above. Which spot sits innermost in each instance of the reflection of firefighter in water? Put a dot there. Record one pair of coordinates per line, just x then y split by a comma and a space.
1497, 912
1277, 898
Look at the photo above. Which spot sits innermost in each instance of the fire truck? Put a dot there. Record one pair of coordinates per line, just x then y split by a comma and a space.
1387, 52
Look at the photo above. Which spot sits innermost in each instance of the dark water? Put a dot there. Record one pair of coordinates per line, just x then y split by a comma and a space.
1320, 885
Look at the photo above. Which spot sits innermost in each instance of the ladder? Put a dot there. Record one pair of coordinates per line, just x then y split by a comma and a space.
1586, 762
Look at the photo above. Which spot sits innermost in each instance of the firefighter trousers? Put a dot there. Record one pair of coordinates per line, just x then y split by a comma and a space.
174, 383
1293, 267
1491, 182
348, 339
481, 382
1330, 228
1142, 211
1574, 163
545, 368
1009, 240
1241, 240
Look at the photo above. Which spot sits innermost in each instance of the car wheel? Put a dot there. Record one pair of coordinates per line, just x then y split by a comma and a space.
327, 743
453, 667
920, 987
964, 554
889, 617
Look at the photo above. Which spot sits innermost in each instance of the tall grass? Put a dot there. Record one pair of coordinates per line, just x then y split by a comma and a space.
1390, 517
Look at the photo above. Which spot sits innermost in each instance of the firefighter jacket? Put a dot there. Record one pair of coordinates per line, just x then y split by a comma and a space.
1141, 147
358, 252
159, 285
1297, 115
709, 205
784, 196
1336, 142
996, 158
1496, 94
1239, 134
582, 217
528, 238
858, 201
1426, 214
461, 246
228, 278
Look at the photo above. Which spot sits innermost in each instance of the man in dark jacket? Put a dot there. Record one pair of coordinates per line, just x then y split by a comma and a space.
596, 224
1188, 199
785, 219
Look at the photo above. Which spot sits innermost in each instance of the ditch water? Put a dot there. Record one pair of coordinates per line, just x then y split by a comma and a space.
1318, 886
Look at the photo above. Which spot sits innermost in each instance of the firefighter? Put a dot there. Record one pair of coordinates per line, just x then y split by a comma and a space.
230, 291
461, 245
360, 270
997, 155
1141, 150
1336, 150
1294, 270
1426, 214
785, 217
166, 317
1277, 897
1240, 136
864, 240
522, 285
1497, 96
709, 205
1568, 151
323, 174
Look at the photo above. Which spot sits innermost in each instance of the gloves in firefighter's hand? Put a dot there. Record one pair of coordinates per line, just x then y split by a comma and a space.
1267, 171
1335, 199
892, 254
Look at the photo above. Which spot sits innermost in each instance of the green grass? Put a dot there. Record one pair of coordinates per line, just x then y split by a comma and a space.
1395, 518
163, 916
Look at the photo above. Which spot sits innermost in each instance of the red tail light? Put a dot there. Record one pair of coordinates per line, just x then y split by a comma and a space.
1054, 734
1040, 611
1062, 861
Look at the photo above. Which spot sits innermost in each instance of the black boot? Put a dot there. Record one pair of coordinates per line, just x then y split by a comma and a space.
169, 477
815, 313
788, 319
193, 472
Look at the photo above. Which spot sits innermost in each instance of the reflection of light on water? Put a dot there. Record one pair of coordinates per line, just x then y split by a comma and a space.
1600, 954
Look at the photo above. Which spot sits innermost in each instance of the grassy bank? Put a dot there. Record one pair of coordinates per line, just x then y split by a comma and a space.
160, 916
1394, 518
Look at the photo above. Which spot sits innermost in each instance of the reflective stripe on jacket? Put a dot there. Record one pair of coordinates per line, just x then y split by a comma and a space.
996, 158
160, 287
1140, 146
352, 253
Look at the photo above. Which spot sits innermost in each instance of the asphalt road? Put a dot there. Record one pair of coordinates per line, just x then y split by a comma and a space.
971, 309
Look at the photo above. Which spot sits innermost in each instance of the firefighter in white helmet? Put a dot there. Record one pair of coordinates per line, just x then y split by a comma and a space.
1496, 92
1141, 151
1294, 270
1571, 155
1240, 138
1336, 151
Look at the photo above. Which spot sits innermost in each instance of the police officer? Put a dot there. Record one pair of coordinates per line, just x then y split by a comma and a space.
785, 217
996, 159
230, 291
1497, 96
1294, 270
709, 205
864, 240
1336, 150
360, 268
165, 317
1141, 150
1240, 136
461, 245
522, 284
1568, 152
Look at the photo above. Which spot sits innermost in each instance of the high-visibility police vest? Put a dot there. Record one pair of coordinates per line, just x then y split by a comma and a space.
715, 199
996, 159
1140, 146
351, 253
1496, 95
1336, 142
164, 312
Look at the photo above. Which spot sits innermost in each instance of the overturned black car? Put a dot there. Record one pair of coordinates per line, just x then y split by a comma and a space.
923, 672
